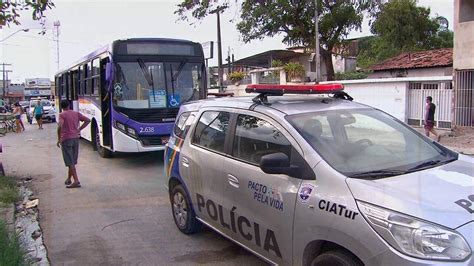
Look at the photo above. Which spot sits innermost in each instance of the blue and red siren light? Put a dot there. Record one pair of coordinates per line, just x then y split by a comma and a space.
294, 89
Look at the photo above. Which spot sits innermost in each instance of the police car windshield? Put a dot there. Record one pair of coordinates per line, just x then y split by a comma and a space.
359, 141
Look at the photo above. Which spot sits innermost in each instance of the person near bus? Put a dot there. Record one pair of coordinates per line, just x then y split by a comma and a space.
38, 114
69, 129
429, 122
17, 112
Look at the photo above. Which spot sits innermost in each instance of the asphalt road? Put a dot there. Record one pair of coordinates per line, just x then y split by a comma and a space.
120, 216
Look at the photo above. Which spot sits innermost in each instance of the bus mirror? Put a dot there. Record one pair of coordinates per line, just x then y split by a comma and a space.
108, 71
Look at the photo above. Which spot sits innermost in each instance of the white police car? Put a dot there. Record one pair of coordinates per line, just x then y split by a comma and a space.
319, 180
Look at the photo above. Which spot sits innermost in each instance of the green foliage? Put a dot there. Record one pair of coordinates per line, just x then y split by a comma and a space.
11, 252
199, 9
352, 75
236, 76
294, 70
8, 190
444, 39
277, 63
9, 13
401, 26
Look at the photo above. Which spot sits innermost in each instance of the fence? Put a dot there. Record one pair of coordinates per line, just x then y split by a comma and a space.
464, 95
404, 98
442, 94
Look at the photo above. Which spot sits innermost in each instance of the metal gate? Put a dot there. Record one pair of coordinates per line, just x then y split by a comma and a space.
442, 98
464, 107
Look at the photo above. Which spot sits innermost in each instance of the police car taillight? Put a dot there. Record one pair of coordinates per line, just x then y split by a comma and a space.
294, 89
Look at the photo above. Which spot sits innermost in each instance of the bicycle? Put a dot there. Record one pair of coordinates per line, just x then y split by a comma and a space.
7, 124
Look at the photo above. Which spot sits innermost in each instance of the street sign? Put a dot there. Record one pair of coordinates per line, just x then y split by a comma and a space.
208, 48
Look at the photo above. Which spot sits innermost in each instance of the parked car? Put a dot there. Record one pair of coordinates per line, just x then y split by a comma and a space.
49, 112
319, 180
25, 105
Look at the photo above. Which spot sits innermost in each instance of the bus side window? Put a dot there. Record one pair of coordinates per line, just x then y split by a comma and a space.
89, 78
84, 81
79, 79
95, 77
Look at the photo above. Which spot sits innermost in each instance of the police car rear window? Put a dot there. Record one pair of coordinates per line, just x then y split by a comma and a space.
211, 130
179, 128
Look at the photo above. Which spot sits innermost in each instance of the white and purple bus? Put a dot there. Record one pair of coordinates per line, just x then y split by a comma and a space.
132, 90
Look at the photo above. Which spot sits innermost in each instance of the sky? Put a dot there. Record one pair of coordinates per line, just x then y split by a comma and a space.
87, 25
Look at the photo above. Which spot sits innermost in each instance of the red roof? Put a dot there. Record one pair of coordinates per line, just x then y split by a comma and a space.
423, 59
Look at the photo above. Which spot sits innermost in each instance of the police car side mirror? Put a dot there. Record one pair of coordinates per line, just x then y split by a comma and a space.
278, 163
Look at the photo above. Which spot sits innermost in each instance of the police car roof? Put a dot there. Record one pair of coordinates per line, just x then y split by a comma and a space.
287, 104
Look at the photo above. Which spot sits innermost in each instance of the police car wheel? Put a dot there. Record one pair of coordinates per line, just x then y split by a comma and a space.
336, 258
184, 216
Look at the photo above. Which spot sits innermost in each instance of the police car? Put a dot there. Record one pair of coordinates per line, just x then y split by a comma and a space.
319, 180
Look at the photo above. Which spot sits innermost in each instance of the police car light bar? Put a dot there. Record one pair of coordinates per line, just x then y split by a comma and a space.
294, 89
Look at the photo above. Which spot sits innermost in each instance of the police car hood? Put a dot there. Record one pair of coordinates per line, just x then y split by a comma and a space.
430, 194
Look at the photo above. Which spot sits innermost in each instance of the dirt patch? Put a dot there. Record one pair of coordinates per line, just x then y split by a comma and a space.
459, 138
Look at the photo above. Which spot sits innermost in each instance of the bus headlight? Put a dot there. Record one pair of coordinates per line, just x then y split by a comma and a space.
414, 237
120, 126
131, 132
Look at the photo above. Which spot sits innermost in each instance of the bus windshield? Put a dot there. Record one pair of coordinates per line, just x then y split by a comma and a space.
142, 85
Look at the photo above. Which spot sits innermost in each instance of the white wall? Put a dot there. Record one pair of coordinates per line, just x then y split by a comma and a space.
237, 90
389, 97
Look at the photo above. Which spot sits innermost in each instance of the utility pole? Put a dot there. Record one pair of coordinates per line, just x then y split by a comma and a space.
5, 73
316, 50
217, 11
56, 25
229, 66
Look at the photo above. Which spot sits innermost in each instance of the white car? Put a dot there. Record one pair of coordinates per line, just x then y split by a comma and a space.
49, 112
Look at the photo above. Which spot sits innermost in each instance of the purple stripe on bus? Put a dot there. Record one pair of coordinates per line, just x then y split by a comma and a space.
144, 128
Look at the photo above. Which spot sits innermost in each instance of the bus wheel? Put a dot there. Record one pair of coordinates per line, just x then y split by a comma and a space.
103, 152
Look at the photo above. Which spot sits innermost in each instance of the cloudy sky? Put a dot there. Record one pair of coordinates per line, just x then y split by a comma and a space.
87, 25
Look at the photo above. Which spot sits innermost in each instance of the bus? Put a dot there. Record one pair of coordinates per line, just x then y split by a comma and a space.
132, 90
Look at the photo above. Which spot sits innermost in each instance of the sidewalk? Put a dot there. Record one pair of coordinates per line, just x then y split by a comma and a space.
460, 140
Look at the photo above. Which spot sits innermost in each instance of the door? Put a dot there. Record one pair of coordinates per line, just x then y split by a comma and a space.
105, 103
201, 165
264, 203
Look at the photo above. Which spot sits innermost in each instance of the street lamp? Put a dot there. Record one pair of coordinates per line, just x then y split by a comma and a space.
25, 30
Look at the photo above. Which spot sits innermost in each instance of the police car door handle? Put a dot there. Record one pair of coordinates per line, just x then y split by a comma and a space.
185, 162
233, 181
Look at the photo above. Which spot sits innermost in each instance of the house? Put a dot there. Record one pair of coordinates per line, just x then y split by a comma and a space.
431, 63
341, 62
463, 62
15, 93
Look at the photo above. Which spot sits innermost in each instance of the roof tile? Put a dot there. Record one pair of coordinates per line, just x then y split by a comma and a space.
423, 59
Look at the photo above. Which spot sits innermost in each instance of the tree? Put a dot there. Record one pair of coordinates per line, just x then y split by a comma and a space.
401, 26
10, 10
199, 9
295, 20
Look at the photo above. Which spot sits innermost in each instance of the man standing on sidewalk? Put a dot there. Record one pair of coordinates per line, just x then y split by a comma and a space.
68, 140
429, 118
